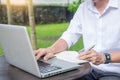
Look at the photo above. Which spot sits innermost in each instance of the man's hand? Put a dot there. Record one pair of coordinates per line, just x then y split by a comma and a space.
92, 56
45, 53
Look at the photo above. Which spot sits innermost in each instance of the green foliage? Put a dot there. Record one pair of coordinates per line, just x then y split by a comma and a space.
74, 6
1, 50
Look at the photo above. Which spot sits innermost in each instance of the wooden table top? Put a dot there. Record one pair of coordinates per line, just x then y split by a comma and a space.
9, 72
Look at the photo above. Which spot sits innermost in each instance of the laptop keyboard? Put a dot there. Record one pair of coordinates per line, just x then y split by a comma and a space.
45, 67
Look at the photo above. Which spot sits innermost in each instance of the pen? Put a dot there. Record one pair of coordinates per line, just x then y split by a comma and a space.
82, 50
90, 48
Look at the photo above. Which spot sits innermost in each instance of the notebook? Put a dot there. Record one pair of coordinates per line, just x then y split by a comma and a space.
70, 56
18, 52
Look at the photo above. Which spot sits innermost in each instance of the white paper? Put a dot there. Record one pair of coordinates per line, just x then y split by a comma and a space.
71, 56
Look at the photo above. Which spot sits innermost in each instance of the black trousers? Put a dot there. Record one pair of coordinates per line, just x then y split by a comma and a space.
97, 74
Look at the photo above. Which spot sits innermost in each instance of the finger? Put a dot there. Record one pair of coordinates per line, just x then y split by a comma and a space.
95, 60
92, 55
95, 56
38, 51
96, 63
48, 56
81, 54
86, 57
40, 54
84, 53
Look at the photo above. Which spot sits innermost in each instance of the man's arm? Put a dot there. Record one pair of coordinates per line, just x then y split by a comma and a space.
99, 58
59, 45
115, 57
46, 53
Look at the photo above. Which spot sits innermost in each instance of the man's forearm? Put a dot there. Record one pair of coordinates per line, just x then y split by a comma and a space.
115, 57
59, 45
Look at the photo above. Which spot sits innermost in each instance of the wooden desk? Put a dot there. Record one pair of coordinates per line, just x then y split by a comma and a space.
9, 72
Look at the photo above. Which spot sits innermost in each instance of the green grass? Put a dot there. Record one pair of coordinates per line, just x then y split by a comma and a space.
47, 34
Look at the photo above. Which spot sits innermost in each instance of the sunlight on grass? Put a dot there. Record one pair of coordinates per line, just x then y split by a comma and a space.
47, 34
51, 30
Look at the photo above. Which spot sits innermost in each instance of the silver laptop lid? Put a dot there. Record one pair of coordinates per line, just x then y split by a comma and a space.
15, 42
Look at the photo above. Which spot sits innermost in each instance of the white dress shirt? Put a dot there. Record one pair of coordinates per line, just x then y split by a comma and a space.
99, 29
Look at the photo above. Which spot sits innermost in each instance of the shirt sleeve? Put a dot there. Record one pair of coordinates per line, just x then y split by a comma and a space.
74, 31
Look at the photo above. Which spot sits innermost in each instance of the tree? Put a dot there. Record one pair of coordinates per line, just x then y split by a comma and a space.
32, 23
9, 12
74, 6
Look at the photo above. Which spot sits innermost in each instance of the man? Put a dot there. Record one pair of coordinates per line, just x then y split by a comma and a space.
98, 22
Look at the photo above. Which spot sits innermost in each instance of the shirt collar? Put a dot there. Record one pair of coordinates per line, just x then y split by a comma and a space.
90, 4
112, 3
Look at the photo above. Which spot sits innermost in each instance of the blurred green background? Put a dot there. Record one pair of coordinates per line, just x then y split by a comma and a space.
47, 34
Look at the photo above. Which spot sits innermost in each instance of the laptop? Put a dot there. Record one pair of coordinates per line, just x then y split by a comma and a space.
18, 52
